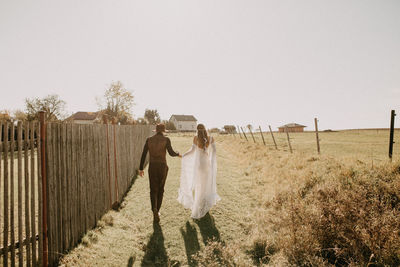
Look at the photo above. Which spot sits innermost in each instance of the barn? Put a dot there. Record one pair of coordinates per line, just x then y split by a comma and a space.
292, 128
83, 117
184, 123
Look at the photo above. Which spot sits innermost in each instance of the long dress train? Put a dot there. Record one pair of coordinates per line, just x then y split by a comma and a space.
198, 176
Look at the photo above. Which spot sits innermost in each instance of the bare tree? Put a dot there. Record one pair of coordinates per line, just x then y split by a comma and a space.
152, 116
5, 115
117, 103
51, 104
19, 115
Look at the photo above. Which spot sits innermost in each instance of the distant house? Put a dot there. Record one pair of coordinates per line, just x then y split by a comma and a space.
83, 117
292, 128
184, 123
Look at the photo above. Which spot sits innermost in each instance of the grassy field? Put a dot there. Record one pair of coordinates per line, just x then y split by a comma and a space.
128, 237
267, 196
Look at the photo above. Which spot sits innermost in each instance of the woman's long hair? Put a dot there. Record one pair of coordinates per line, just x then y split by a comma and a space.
202, 137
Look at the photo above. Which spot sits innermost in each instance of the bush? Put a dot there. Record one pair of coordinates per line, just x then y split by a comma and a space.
345, 217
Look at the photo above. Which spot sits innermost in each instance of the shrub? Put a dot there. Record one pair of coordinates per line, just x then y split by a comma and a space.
346, 217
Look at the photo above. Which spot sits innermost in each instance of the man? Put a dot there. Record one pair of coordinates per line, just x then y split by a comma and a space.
157, 145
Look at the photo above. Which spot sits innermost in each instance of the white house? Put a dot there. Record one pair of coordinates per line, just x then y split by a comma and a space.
184, 123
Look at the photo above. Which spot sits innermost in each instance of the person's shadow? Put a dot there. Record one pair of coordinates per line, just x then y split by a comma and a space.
192, 245
208, 230
156, 254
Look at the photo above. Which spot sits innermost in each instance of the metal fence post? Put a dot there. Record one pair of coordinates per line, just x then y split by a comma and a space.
391, 142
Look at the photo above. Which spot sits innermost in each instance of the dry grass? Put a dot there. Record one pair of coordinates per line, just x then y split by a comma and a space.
322, 210
277, 209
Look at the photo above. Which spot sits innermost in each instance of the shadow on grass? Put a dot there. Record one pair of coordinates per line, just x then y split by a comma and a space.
208, 230
156, 255
192, 245
131, 261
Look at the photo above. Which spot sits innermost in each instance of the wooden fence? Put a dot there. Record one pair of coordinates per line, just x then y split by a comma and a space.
88, 169
20, 195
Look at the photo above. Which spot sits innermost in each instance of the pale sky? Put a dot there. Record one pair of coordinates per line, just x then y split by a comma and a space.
223, 61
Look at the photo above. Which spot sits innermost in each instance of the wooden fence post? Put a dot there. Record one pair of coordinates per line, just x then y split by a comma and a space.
391, 142
240, 135
244, 134
5, 199
316, 134
44, 185
108, 161
252, 135
262, 135
116, 203
273, 138
288, 139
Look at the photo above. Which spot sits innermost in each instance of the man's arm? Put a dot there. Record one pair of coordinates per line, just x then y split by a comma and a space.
144, 154
171, 152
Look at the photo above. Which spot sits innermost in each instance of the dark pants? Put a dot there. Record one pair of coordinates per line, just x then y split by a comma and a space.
157, 176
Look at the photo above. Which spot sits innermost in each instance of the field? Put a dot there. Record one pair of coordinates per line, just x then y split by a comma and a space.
272, 211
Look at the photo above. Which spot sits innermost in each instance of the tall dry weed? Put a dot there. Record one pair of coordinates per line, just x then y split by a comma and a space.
317, 211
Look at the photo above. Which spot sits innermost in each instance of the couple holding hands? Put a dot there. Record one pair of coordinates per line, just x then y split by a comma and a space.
198, 190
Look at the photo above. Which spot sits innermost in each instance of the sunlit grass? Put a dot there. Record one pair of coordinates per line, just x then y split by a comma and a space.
245, 228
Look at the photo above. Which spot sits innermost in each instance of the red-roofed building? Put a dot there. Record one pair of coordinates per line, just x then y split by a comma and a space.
83, 117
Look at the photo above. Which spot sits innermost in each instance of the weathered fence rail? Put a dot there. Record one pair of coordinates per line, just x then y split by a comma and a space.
88, 168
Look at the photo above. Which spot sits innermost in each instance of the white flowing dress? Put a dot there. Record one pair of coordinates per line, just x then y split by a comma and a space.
198, 178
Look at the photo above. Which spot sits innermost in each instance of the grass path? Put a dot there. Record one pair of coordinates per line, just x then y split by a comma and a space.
128, 237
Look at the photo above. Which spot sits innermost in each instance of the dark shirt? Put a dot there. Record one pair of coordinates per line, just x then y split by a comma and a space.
157, 145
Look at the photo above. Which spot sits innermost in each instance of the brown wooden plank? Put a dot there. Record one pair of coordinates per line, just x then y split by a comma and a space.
1, 156
97, 195
81, 186
33, 193
12, 203
51, 218
40, 199
74, 147
20, 223
105, 169
6, 193
89, 177
64, 189
69, 183
58, 175
26, 172
108, 165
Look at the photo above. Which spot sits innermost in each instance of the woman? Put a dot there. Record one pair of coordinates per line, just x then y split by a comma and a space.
198, 175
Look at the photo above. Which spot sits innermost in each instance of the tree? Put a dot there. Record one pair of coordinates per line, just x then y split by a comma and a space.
152, 116
169, 125
141, 121
117, 103
51, 104
5, 115
230, 129
19, 115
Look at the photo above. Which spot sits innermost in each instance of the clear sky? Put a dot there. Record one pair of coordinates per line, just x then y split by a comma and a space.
223, 61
